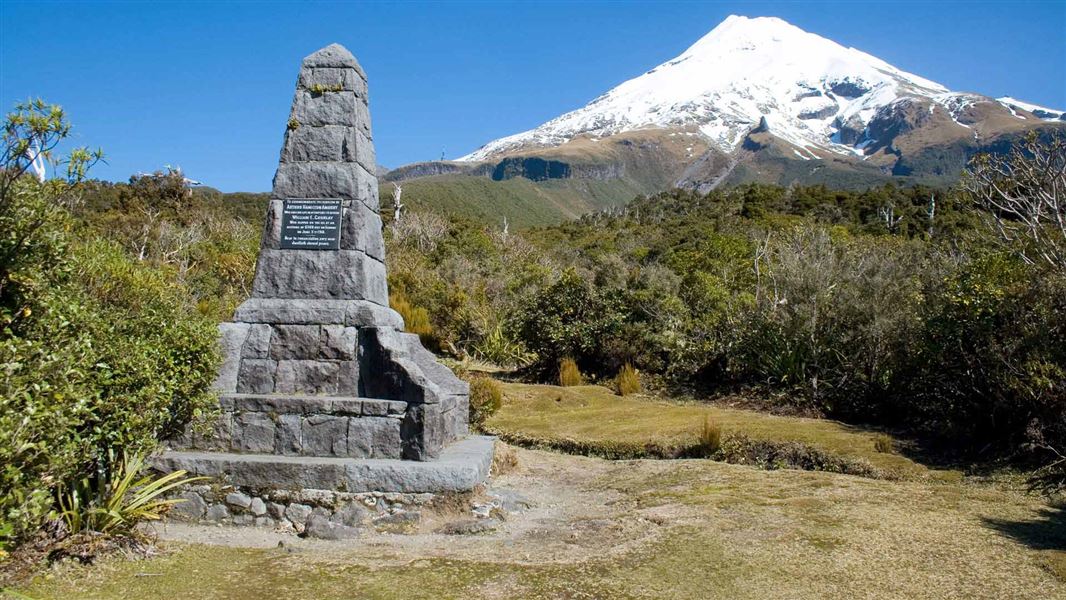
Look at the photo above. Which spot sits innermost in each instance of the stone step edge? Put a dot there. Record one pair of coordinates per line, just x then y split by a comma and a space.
285, 404
462, 466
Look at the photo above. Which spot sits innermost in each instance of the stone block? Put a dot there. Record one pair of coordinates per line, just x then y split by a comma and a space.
276, 510
307, 377
289, 437
361, 230
309, 311
332, 78
338, 342
255, 432
308, 274
348, 378
333, 108
369, 314
231, 339
322, 180
257, 344
326, 143
333, 55
325, 435
299, 342
459, 467
256, 376
257, 507
422, 432
272, 227
374, 437
359, 148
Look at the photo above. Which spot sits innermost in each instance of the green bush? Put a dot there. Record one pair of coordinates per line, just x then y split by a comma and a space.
486, 397
100, 354
569, 319
991, 371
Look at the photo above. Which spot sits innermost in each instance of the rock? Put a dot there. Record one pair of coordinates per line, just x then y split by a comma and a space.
352, 514
243, 520
467, 527
322, 528
264, 522
510, 500
257, 507
192, 508
239, 500
298, 513
276, 510
398, 519
216, 512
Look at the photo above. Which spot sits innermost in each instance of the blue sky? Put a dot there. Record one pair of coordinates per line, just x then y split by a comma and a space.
207, 85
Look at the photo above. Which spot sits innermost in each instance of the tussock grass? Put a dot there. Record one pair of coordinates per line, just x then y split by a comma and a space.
569, 373
628, 381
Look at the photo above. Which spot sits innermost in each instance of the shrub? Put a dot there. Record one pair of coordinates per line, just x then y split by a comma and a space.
486, 397
991, 370
100, 354
569, 373
710, 438
628, 381
569, 319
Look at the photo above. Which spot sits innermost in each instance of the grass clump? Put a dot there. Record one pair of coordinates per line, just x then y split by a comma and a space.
486, 397
628, 381
710, 438
884, 444
415, 318
569, 373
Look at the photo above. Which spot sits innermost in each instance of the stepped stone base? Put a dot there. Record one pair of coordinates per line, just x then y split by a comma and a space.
460, 467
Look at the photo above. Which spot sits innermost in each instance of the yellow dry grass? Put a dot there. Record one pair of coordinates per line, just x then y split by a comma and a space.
595, 413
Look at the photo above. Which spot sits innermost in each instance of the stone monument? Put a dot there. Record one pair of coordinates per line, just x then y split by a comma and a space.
320, 387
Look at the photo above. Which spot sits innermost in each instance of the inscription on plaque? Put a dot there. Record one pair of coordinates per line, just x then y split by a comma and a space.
311, 224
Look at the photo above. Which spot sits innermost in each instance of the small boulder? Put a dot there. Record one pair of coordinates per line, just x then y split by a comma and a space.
322, 528
238, 500
191, 509
298, 513
257, 507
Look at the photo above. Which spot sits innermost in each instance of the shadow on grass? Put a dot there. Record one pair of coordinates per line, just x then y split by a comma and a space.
1047, 532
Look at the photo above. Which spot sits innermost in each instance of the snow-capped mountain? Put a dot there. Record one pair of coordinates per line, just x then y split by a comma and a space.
763, 74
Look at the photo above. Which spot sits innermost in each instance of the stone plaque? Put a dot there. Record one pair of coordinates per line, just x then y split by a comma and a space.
311, 224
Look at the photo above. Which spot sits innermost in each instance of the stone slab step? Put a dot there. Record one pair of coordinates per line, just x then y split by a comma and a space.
286, 404
461, 467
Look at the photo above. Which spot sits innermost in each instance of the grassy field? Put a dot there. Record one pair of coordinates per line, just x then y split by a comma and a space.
687, 528
595, 413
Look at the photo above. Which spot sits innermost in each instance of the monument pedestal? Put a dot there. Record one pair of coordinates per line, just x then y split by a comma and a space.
320, 388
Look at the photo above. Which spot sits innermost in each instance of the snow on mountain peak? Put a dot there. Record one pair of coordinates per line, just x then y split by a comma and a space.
745, 69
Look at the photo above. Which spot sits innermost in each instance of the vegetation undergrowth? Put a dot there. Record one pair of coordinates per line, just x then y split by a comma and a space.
103, 352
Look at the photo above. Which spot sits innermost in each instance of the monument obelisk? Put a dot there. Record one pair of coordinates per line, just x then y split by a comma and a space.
319, 381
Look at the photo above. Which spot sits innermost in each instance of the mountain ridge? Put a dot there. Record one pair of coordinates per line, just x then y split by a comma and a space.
816, 95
